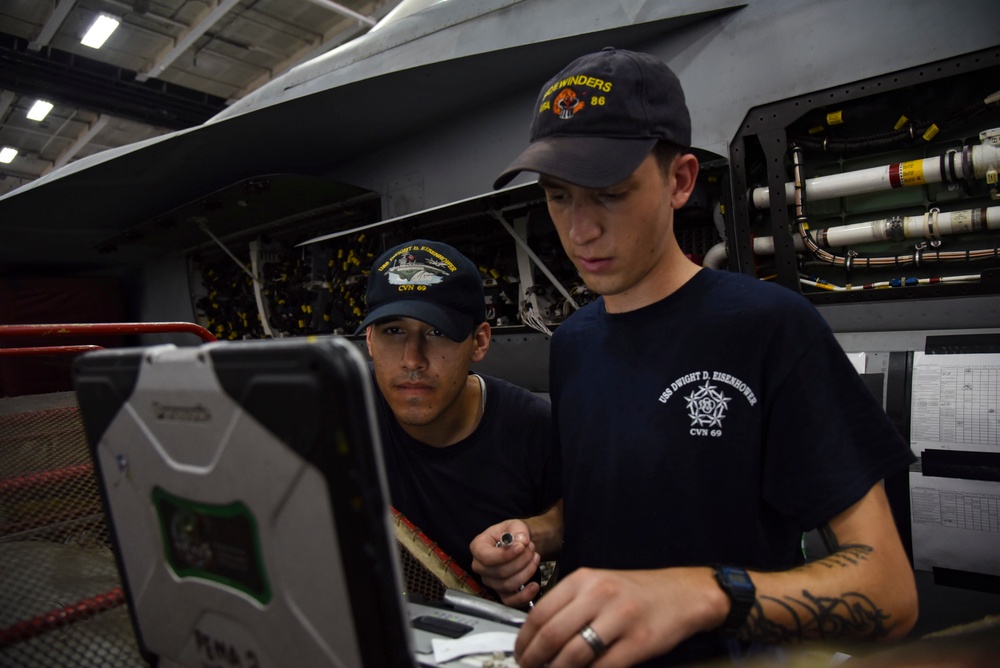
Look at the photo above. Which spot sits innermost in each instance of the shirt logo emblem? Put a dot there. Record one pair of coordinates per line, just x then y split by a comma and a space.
707, 406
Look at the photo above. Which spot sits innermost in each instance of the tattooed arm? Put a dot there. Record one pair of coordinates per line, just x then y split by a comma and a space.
864, 589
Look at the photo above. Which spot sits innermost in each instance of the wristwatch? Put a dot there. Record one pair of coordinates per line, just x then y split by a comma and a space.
739, 588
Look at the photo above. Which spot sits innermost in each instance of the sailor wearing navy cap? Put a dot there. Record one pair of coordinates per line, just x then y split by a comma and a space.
462, 450
706, 419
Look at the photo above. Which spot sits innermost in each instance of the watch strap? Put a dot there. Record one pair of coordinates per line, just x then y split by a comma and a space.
740, 589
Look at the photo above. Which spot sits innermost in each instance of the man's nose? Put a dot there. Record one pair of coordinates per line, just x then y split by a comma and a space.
584, 224
413, 353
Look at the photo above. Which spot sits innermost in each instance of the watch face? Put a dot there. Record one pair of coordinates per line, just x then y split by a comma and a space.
738, 577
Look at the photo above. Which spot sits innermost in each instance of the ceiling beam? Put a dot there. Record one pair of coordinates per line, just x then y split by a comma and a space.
78, 145
75, 81
187, 39
339, 34
6, 101
52, 24
303, 55
349, 13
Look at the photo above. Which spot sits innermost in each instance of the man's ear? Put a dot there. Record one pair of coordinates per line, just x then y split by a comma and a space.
481, 337
368, 340
685, 173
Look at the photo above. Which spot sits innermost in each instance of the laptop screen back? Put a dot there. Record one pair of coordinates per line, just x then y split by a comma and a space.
250, 516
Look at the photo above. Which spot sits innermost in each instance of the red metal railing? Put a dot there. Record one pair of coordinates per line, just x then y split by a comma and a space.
58, 501
61, 616
94, 329
48, 350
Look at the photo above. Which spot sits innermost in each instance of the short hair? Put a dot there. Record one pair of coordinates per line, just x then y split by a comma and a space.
665, 152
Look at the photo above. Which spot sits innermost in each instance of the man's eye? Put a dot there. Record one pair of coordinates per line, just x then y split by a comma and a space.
391, 331
611, 196
554, 196
435, 333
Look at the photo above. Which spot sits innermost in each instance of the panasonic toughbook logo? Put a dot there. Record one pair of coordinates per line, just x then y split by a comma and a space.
196, 413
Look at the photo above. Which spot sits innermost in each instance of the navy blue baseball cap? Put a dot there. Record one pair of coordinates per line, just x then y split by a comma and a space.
429, 281
598, 119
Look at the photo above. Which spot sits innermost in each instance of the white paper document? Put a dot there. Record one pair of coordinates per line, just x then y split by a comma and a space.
955, 402
446, 649
956, 524
857, 361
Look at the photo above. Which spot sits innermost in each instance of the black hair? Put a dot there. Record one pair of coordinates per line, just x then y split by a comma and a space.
665, 152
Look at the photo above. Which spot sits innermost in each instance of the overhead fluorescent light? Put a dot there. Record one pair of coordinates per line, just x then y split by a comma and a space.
99, 32
7, 154
39, 110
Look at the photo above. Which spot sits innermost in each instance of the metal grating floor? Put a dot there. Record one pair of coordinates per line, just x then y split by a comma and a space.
61, 602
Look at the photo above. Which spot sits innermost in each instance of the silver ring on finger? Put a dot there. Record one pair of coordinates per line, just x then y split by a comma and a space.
594, 640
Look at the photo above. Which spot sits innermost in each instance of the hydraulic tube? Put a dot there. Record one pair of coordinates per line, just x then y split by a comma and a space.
932, 225
972, 162
920, 253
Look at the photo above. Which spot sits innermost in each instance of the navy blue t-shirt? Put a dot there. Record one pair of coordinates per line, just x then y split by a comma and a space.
507, 468
715, 426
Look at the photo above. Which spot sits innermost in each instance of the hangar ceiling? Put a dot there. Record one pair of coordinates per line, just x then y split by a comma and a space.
170, 65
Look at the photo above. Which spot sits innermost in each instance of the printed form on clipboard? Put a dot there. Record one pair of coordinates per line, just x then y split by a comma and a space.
955, 410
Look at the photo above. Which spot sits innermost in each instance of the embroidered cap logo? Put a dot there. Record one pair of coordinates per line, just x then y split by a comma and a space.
567, 103
406, 268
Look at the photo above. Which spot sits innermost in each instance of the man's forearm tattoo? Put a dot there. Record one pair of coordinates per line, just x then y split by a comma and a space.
812, 617
818, 617
849, 555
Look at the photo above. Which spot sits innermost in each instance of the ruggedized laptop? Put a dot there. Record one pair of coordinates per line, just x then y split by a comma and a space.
244, 485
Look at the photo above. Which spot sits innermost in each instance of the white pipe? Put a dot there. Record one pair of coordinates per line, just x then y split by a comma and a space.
263, 312
765, 245
985, 159
928, 226
716, 256
719, 219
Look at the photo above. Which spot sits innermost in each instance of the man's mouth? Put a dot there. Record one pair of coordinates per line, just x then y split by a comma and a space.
593, 264
410, 386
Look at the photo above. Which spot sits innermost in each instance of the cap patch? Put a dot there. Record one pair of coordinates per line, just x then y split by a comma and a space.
405, 268
568, 102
